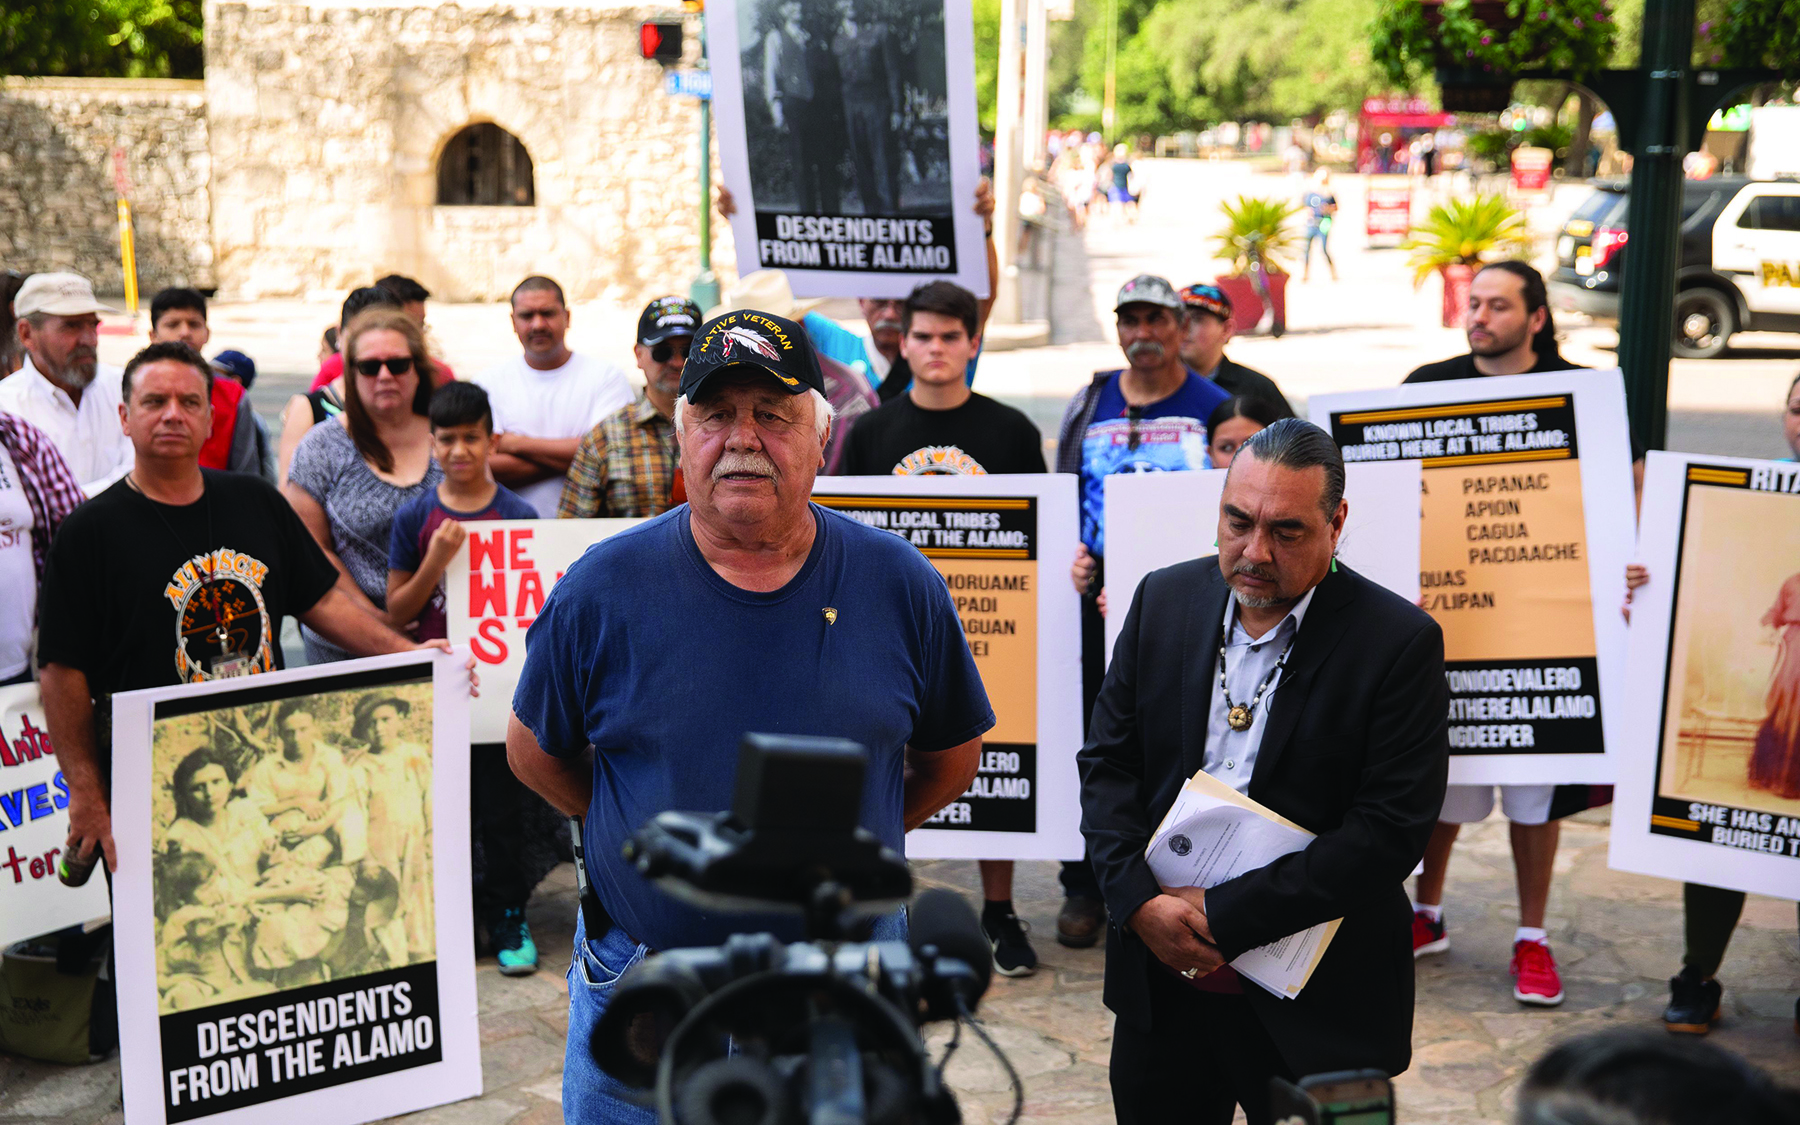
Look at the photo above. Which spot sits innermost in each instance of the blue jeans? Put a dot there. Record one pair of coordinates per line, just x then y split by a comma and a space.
590, 1095
1324, 246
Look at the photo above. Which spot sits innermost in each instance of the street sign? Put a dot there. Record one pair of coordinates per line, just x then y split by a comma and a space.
688, 83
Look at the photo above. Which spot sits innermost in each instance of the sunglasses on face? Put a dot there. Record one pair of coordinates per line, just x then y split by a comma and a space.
372, 367
664, 351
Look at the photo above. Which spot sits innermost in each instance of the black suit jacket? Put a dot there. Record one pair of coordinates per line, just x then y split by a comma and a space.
1354, 750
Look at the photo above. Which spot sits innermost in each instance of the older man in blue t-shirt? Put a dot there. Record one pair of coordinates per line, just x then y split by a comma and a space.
747, 609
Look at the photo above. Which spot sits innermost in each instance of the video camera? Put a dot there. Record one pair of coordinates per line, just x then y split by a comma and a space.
825, 1031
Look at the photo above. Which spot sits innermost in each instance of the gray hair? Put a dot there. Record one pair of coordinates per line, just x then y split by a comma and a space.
1293, 443
822, 414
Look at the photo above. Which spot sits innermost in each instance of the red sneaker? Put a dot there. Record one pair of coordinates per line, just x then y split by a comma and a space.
1534, 974
1428, 936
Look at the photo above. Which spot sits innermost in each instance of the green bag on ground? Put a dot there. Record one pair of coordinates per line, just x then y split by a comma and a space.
57, 1000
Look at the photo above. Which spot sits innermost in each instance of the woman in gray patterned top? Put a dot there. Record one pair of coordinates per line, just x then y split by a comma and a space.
351, 473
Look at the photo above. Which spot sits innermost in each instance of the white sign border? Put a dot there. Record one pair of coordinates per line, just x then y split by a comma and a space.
1058, 787
1603, 444
1366, 537
1633, 847
457, 1075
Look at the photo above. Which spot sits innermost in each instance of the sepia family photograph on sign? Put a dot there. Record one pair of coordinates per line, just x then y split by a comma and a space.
293, 842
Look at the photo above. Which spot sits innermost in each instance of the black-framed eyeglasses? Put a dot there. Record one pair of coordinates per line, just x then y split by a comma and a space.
372, 367
668, 349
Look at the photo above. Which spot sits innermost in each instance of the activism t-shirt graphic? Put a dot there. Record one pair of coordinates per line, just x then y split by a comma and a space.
1167, 436
979, 437
221, 623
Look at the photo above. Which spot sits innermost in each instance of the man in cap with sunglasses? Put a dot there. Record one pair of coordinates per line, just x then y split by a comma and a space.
63, 389
770, 613
1148, 417
1203, 343
625, 466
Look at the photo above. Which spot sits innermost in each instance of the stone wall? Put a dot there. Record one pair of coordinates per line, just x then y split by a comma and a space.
327, 120
59, 209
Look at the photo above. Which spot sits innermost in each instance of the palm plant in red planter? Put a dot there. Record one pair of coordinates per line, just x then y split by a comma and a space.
1459, 237
1255, 239
1475, 48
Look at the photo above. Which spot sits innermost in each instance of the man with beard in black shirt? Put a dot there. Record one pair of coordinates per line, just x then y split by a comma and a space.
940, 426
175, 574
1510, 329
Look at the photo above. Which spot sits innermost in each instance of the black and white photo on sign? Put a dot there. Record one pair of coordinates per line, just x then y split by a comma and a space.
292, 842
845, 106
292, 903
847, 138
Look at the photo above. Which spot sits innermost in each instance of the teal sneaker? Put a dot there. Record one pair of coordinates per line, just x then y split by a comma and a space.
513, 946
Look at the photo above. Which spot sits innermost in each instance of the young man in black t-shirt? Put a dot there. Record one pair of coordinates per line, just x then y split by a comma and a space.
175, 574
940, 426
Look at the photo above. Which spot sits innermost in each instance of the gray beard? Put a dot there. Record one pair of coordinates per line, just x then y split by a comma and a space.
1251, 601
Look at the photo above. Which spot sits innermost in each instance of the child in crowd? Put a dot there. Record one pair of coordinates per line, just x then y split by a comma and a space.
428, 530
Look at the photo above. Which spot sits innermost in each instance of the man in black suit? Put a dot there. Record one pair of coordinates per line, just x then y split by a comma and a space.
1330, 711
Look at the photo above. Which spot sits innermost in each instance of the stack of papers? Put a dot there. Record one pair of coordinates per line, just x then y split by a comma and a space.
1214, 833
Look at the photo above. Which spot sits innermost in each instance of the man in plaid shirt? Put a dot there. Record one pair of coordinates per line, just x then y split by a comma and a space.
37, 491
625, 466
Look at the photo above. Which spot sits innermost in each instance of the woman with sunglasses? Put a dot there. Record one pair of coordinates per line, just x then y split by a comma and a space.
350, 474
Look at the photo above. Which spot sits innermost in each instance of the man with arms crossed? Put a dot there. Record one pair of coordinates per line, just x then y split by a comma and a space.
547, 399
1315, 692
746, 609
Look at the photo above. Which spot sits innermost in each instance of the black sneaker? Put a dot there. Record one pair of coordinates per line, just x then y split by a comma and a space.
1693, 1003
1013, 955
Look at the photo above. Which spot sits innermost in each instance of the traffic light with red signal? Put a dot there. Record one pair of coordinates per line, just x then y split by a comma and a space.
660, 41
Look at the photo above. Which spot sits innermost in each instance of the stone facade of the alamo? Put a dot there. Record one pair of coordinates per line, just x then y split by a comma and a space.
467, 145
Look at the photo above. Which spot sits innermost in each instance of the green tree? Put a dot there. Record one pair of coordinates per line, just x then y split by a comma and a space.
101, 38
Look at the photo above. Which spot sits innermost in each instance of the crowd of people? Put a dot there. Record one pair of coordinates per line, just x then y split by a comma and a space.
163, 536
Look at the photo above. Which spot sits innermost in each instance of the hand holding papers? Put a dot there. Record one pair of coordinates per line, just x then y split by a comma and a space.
1213, 833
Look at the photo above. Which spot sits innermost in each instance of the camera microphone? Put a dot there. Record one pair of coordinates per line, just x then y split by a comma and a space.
946, 937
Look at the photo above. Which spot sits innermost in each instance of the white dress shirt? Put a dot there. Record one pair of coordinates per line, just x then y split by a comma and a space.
88, 435
1231, 754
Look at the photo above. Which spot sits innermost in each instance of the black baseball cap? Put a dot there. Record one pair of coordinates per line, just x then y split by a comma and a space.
749, 338
666, 318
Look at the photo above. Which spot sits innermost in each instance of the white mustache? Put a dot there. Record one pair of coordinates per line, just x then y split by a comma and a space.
1144, 347
755, 463
887, 325
1253, 572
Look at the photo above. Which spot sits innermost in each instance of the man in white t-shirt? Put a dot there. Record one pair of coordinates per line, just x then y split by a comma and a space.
546, 400
63, 389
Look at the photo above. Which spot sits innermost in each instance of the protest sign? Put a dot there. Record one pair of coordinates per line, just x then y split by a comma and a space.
1709, 771
1002, 543
1155, 520
34, 824
493, 590
293, 924
847, 137
1527, 525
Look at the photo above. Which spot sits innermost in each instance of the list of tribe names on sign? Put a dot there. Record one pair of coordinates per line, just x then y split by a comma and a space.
1503, 565
986, 550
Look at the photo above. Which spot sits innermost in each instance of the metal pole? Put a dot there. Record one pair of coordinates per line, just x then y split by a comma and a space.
1108, 113
1037, 109
1008, 175
1647, 288
705, 289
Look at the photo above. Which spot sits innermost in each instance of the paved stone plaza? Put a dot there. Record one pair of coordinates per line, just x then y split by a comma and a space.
1618, 937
